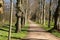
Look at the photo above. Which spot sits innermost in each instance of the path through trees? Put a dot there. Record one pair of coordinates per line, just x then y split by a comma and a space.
35, 32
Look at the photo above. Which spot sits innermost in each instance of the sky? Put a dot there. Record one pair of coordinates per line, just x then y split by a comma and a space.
15, 1
47, 1
6, 0
9, 1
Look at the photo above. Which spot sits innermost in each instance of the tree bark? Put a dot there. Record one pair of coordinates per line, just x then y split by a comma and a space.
56, 15
18, 15
49, 14
43, 2
26, 15
11, 12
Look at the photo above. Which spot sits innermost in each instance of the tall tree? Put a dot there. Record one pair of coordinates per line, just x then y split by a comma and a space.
43, 11
56, 15
49, 13
23, 13
18, 15
26, 15
11, 12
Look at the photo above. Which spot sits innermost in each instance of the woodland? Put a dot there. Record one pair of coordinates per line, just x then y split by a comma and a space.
17, 16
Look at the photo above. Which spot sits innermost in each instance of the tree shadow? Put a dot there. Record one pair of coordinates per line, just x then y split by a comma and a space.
33, 39
34, 31
6, 28
15, 38
4, 36
11, 37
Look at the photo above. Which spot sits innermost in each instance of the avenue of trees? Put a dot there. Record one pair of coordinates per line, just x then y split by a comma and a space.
48, 12
40, 11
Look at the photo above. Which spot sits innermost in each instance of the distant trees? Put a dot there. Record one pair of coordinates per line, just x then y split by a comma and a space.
43, 11
49, 14
56, 17
39, 10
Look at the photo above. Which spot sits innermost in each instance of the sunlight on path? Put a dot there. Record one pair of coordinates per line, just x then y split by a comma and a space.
36, 32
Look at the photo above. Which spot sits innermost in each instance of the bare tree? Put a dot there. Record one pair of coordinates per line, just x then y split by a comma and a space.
18, 15
26, 15
44, 11
11, 12
56, 15
49, 14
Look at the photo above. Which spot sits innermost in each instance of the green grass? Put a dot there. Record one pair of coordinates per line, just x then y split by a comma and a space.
54, 32
46, 26
4, 32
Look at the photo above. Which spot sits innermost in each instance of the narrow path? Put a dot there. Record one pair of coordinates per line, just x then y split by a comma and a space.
36, 32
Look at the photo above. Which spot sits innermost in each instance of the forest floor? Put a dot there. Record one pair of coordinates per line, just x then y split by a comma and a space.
35, 32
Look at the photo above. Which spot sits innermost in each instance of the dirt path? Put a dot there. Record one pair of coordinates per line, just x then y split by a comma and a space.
35, 32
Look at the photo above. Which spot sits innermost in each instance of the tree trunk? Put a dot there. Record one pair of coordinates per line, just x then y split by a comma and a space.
11, 12
56, 15
43, 12
26, 15
18, 25
49, 14
18, 15
22, 20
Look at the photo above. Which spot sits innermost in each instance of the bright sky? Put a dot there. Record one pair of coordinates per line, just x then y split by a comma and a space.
6, 0
9, 1
15, 0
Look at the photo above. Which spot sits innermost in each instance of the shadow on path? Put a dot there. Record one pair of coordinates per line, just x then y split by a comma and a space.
35, 32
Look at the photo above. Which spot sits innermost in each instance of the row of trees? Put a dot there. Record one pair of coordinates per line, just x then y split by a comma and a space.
22, 10
48, 12
21, 15
37, 10
41, 12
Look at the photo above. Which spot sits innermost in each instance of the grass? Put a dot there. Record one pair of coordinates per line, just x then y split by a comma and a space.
4, 32
54, 32
46, 26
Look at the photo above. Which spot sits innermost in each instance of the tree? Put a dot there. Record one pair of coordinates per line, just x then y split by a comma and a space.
41, 12
26, 15
18, 15
44, 12
11, 12
49, 14
56, 15
42, 4
2, 10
